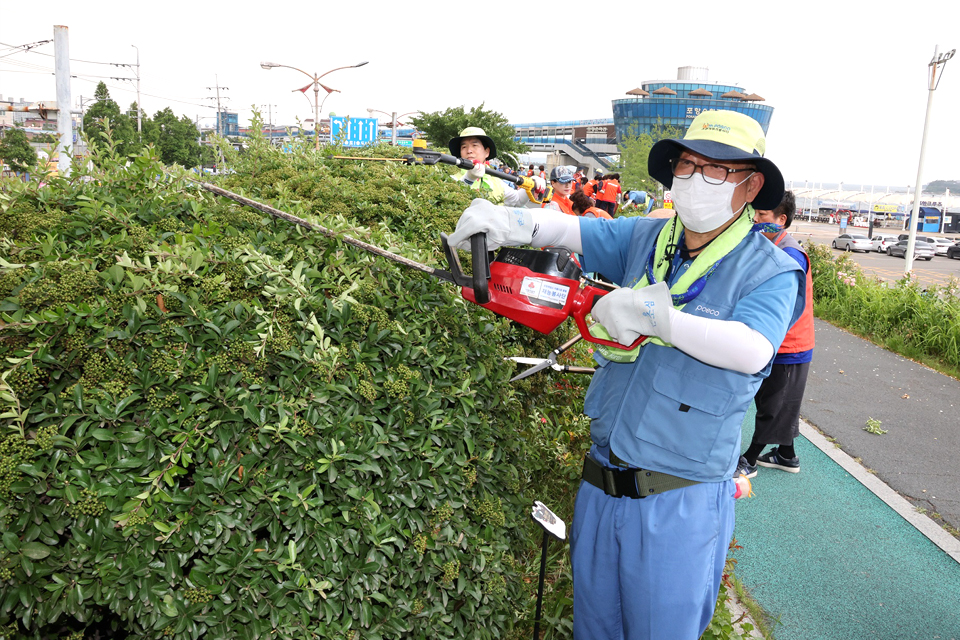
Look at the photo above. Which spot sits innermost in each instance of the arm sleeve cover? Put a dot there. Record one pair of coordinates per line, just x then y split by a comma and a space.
555, 229
721, 343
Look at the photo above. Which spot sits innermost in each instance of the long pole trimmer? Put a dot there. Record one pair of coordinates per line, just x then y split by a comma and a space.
422, 156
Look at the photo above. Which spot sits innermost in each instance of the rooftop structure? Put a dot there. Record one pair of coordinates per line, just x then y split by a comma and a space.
677, 102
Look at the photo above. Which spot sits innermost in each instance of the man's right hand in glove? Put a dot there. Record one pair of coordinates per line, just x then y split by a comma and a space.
503, 226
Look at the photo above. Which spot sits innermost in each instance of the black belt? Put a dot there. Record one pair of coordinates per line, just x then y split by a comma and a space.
630, 483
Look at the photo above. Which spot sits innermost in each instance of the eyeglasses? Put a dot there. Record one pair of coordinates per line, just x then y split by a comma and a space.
712, 173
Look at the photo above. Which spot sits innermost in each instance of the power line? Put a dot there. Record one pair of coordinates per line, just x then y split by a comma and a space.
24, 47
50, 55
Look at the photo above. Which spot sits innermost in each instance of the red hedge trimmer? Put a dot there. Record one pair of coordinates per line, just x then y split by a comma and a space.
537, 288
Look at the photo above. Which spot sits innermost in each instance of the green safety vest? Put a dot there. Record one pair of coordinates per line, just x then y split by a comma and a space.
491, 188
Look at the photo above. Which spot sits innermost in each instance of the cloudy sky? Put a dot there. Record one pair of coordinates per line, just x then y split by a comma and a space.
849, 85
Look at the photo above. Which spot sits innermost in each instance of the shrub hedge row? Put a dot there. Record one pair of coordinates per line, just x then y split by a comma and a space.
217, 424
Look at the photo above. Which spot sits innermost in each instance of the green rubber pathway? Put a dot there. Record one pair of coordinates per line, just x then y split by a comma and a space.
831, 561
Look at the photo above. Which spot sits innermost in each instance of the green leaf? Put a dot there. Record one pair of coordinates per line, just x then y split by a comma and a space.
35, 550
11, 542
103, 435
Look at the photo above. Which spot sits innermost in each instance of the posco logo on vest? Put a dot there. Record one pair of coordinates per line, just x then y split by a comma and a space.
712, 312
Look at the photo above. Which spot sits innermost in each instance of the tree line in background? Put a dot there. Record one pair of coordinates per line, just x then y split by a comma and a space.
177, 140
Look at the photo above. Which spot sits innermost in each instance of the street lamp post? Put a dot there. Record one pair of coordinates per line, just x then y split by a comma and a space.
393, 120
935, 65
315, 82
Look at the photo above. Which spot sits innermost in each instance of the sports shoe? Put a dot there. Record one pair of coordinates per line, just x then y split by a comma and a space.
773, 460
745, 469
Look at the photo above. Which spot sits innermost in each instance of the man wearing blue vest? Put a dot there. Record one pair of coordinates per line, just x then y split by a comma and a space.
655, 512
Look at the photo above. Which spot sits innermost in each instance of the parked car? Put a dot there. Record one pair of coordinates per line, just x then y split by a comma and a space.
953, 251
880, 242
906, 236
921, 250
940, 246
852, 242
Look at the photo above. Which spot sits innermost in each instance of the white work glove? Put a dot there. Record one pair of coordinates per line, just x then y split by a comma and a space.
541, 187
627, 314
504, 226
476, 173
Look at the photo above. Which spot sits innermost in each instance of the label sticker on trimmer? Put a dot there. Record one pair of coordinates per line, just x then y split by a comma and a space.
545, 290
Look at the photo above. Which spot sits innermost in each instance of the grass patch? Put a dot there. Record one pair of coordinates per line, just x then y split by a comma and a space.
919, 323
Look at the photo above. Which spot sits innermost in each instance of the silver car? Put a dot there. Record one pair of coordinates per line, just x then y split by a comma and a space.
852, 242
880, 242
921, 250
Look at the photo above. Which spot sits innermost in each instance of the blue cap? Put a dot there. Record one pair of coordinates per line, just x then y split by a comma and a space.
562, 174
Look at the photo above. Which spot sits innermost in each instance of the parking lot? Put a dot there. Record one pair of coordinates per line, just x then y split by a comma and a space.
937, 271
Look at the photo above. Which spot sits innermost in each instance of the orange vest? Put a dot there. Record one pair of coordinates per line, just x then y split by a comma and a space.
597, 213
563, 202
800, 336
588, 188
611, 189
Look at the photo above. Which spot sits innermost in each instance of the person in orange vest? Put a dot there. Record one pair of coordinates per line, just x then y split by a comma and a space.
608, 197
779, 397
578, 179
561, 179
543, 172
591, 186
583, 205
530, 171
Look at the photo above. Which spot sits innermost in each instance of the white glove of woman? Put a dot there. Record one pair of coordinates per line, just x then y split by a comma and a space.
627, 314
476, 173
504, 226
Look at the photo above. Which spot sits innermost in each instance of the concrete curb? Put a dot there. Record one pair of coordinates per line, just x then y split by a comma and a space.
930, 529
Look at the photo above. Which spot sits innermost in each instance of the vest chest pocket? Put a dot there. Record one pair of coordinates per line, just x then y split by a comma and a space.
687, 412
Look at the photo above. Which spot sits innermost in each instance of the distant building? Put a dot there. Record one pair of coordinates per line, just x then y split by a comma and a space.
677, 102
228, 124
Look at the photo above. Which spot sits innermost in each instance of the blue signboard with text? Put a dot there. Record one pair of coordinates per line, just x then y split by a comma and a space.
353, 132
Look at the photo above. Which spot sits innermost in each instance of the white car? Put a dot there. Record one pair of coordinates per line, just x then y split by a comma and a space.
940, 246
880, 242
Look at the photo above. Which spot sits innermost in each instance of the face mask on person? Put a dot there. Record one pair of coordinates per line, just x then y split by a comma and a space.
704, 207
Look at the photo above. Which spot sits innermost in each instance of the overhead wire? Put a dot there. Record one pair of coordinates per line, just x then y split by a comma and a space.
34, 68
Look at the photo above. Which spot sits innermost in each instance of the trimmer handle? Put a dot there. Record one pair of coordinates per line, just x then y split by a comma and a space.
481, 266
582, 305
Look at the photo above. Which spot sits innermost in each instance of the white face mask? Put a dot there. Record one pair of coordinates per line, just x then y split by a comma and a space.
704, 207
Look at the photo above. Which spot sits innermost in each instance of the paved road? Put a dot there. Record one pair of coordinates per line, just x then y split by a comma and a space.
832, 553
938, 271
852, 380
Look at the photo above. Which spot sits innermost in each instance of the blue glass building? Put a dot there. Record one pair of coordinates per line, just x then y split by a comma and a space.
677, 102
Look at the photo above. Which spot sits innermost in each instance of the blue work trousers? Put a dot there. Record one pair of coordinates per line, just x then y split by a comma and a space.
650, 568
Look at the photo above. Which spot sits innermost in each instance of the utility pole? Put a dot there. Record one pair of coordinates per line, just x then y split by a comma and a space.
139, 106
935, 70
269, 118
136, 77
217, 88
61, 47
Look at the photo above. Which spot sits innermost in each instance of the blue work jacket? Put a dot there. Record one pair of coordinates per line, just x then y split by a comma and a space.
668, 411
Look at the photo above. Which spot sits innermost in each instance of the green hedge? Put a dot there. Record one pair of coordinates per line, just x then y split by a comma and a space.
217, 424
